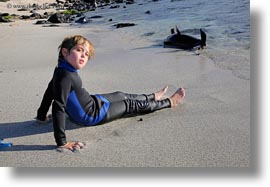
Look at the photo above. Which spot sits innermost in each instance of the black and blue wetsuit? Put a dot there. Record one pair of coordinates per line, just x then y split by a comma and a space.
67, 96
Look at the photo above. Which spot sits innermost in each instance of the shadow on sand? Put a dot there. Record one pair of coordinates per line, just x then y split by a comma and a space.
28, 128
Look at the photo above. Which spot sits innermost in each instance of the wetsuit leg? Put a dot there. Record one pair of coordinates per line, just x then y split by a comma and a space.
131, 107
120, 96
116, 110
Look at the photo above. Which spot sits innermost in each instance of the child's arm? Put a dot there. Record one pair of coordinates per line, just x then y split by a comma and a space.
62, 87
45, 104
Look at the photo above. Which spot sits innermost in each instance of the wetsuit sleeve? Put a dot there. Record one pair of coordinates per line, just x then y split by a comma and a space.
46, 103
62, 89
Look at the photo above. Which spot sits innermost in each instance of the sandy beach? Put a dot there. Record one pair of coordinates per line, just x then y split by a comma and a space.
211, 128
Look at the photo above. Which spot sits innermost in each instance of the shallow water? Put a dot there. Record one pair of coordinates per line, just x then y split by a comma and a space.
226, 23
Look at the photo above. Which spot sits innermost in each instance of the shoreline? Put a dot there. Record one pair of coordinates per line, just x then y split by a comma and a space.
210, 129
238, 61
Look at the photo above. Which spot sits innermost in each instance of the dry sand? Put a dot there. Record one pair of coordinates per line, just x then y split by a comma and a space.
210, 129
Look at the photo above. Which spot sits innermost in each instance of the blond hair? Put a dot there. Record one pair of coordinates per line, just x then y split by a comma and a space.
70, 41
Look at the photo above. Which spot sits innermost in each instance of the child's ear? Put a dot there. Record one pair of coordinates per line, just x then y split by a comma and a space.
64, 52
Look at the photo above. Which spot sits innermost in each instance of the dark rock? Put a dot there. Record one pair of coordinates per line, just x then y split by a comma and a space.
129, 2
148, 12
42, 22
23, 9
110, 19
94, 17
4, 20
59, 18
79, 15
121, 25
82, 20
4, 14
36, 16
59, 2
116, 6
141, 119
25, 17
118, 1
92, 9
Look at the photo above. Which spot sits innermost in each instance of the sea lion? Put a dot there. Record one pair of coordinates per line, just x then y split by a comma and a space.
181, 41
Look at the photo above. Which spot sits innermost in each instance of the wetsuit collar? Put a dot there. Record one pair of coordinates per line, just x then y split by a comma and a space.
64, 64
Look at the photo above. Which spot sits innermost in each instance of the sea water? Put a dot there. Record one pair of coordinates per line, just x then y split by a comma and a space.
226, 23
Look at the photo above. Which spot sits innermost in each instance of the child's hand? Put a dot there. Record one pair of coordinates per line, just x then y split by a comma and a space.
72, 146
47, 120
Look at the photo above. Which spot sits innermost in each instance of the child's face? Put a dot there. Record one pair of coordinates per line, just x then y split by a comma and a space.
78, 55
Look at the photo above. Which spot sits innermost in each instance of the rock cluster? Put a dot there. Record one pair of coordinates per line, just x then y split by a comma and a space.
67, 11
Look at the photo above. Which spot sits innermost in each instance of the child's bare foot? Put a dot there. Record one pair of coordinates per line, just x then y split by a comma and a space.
159, 94
177, 97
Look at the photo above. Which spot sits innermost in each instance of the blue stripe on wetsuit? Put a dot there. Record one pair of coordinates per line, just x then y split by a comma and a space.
75, 110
